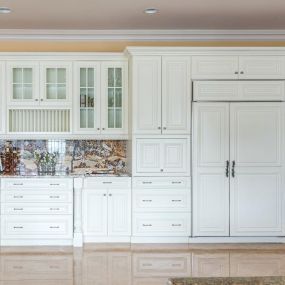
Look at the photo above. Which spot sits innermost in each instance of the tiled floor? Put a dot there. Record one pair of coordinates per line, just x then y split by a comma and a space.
136, 265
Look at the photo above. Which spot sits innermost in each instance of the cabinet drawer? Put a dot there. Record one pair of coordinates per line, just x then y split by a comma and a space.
161, 264
20, 196
36, 267
37, 226
35, 208
161, 200
162, 224
107, 182
161, 182
38, 183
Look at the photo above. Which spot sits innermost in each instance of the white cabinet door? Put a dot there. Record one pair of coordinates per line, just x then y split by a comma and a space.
176, 95
23, 83
215, 67
146, 95
257, 188
114, 98
87, 97
148, 156
94, 205
119, 212
3, 99
210, 181
261, 67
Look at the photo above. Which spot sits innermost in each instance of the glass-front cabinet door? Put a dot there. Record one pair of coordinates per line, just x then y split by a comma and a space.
22, 83
114, 98
87, 98
56, 82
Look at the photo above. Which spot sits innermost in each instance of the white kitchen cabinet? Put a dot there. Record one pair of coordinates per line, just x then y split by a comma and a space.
238, 67
237, 157
106, 210
161, 91
3, 98
165, 156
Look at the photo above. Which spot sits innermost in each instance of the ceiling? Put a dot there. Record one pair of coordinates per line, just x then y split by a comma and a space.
128, 14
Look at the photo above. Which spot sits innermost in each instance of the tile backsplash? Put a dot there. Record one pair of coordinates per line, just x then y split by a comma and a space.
77, 156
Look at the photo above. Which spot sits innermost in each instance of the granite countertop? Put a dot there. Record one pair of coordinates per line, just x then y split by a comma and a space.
272, 280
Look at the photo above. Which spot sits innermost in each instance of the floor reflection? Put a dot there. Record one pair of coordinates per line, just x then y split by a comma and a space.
135, 266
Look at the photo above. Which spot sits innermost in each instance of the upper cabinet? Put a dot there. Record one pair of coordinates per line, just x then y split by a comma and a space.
238, 67
100, 97
2, 97
161, 94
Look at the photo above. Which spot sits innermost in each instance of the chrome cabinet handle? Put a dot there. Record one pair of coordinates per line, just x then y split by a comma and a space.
18, 184
54, 209
36, 99
241, 72
54, 227
18, 227
159, 128
236, 72
233, 168
164, 128
161, 170
176, 200
18, 209
147, 200
227, 168
176, 182
54, 184
147, 225
147, 182
18, 197
110, 195
54, 197
104, 195
107, 182
176, 225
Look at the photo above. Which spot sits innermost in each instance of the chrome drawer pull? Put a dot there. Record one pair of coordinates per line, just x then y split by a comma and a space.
176, 265
176, 182
18, 227
176, 225
18, 184
18, 209
54, 227
18, 197
107, 182
52, 197
54, 209
147, 200
176, 200
54, 184
147, 225
146, 182
147, 264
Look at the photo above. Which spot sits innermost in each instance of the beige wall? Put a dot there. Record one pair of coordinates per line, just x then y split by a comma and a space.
109, 46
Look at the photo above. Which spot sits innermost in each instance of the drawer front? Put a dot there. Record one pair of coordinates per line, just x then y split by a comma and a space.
37, 267
161, 182
35, 208
161, 200
19, 196
36, 226
161, 264
162, 224
107, 182
38, 183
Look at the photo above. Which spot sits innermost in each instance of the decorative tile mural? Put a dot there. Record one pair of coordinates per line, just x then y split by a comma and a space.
76, 156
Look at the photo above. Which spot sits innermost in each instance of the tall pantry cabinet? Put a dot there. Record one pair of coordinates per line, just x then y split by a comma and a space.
160, 91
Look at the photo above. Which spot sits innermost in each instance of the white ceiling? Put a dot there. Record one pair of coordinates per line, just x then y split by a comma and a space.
128, 14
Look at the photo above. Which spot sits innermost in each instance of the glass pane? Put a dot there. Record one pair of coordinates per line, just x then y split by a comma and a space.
51, 91
118, 118
17, 91
17, 75
27, 75
111, 77
111, 97
118, 97
27, 92
83, 118
90, 97
90, 118
110, 118
83, 77
51, 75
83, 92
90, 77
61, 75
61, 92
118, 78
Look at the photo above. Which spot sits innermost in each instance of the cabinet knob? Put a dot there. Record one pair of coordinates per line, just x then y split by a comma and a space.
103, 129
36, 99
161, 170
110, 195
98, 129
164, 128
42, 100
104, 195
241, 72
236, 72
159, 128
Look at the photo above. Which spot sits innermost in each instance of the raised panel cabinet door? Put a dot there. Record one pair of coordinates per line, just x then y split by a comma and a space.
176, 95
214, 67
210, 169
147, 157
175, 156
119, 212
23, 83
261, 67
257, 175
94, 205
146, 95
3, 120
87, 97
114, 111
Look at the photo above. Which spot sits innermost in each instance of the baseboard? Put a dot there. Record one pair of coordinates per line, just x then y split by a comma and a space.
22, 242
92, 239
236, 240
159, 239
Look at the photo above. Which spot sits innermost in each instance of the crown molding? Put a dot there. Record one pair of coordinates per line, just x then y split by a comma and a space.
143, 35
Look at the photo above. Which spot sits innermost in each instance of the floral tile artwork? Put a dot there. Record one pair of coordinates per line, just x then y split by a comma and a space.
76, 156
